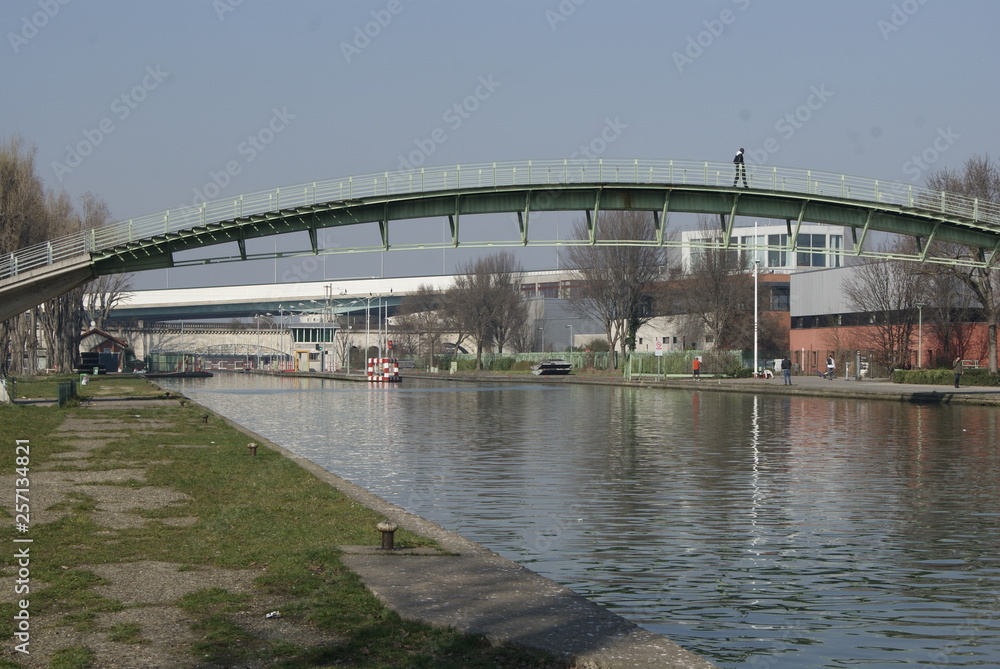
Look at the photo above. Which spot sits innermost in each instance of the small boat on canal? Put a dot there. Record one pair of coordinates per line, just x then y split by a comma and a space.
552, 368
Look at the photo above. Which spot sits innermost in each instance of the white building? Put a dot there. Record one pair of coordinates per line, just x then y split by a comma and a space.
817, 246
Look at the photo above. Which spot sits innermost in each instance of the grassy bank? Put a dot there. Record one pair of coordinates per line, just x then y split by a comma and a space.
231, 512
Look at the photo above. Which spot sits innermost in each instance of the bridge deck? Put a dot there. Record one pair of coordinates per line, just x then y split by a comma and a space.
661, 186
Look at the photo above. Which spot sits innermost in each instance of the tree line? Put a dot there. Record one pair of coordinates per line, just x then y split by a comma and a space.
620, 284
30, 214
947, 300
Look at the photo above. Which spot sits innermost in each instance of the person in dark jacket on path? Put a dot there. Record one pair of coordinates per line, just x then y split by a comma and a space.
740, 168
956, 367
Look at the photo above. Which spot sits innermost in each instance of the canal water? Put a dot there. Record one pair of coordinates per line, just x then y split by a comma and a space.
757, 531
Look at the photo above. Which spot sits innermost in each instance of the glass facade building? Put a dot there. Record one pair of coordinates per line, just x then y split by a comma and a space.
816, 246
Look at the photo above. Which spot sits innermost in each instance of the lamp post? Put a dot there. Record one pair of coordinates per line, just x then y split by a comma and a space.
920, 335
570, 338
756, 316
257, 316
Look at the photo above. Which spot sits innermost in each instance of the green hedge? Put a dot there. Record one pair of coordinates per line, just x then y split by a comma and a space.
739, 372
940, 377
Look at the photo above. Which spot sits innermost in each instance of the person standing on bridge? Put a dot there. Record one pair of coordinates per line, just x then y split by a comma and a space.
741, 170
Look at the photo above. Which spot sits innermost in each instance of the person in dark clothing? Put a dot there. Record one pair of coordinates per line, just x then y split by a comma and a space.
741, 170
786, 371
957, 368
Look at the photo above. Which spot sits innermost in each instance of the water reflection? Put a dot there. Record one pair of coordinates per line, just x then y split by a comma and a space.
758, 531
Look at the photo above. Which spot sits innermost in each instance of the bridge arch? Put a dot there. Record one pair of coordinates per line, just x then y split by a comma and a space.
387, 199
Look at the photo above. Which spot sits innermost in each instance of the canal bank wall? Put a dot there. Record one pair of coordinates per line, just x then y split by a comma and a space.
802, 386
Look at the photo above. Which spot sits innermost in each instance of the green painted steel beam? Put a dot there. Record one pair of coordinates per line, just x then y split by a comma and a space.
157, 251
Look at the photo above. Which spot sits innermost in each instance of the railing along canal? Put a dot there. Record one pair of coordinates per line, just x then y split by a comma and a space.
499, 175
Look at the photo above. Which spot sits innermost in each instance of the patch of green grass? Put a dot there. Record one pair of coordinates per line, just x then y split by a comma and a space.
126, 633
69, 592
7, 626
78, 502
212, 601
75, 657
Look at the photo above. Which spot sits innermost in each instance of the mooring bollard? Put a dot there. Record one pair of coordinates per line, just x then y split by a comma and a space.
387, 529
253, 448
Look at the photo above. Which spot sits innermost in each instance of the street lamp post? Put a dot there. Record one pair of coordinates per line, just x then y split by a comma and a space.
920, 335
756, 316
756, 310
257, 316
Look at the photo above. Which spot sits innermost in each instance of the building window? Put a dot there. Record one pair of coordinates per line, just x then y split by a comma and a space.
777, 258
752, 254
805, 244
780, 298
836, 245
549, 289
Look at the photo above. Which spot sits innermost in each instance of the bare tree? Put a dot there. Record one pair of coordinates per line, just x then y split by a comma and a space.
513, 313
420, 314
105, 292
616, 280
60, 318
948, 316
979, 178
480, 298
717, 293
888, 292
522, 338
23, 221
28, 216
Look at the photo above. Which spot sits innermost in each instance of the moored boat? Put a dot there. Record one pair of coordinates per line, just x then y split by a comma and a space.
552, 368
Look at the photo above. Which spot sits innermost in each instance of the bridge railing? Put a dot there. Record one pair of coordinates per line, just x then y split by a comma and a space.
538, 173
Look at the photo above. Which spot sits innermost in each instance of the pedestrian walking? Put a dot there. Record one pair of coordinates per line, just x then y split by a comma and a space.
696, 368
956, 367
831, 367
786, 371
741, 170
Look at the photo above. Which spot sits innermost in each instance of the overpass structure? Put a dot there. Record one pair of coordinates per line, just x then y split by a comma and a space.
32, 275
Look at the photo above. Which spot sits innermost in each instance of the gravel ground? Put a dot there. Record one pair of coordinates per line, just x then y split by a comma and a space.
149, 590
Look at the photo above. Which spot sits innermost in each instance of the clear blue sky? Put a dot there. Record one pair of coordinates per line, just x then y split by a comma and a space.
164, 94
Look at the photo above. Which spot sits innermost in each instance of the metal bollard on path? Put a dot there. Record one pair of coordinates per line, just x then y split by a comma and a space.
387, 528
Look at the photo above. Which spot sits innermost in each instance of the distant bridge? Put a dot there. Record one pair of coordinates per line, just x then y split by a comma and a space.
30, 276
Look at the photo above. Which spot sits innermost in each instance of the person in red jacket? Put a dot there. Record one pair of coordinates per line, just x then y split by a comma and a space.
696, 368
